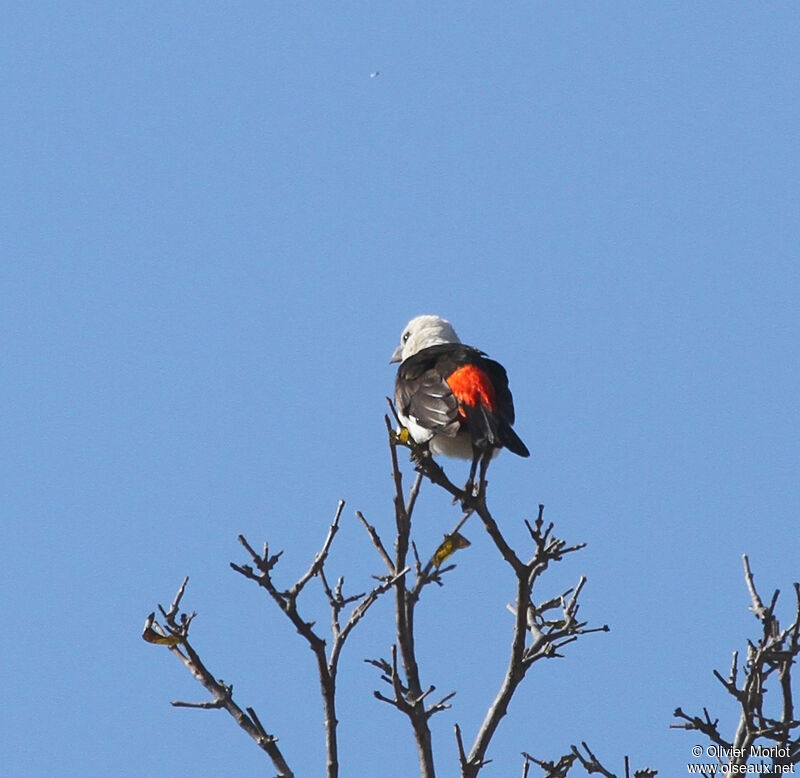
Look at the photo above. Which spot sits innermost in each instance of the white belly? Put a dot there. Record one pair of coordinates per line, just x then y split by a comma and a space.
458, 446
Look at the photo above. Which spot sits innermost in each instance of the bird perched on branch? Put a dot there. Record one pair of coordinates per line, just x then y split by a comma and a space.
452, 397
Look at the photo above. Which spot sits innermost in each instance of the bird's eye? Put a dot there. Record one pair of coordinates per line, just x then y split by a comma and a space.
406, 336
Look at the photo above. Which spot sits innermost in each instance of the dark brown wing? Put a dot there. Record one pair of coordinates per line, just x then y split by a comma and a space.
434, 388
421, 391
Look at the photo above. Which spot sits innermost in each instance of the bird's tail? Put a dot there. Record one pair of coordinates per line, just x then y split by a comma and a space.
487, 430
513, 442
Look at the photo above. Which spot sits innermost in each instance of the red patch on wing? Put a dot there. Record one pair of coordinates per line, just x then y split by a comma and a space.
471, 386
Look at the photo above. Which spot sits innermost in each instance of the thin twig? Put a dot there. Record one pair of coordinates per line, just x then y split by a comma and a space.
376, 541
321, 556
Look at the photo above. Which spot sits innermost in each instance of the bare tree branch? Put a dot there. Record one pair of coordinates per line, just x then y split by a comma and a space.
541, 627
591, 763
546, 636
404, 618
774, 653
321, 556
327, 664
176, 624
376, 541
558, 769
588, 761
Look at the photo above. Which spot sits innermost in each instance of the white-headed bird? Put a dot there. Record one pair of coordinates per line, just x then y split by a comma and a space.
452, 397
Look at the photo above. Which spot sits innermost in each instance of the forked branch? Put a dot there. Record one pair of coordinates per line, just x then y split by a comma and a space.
174, 633
537, 633
773, 655
341, 626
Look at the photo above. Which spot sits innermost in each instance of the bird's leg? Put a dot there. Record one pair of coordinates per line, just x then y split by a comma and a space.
419, 451
485, 459
469, 487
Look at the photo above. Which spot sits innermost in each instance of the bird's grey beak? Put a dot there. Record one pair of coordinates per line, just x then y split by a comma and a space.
398, 355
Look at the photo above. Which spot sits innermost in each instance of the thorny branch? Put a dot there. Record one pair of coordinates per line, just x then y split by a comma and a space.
772, 656
174, 633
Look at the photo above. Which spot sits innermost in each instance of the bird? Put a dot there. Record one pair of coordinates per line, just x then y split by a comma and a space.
452, 398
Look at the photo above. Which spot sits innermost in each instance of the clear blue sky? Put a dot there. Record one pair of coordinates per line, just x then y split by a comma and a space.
213, 226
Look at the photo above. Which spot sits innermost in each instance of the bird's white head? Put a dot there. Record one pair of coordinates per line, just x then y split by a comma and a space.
422, 332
